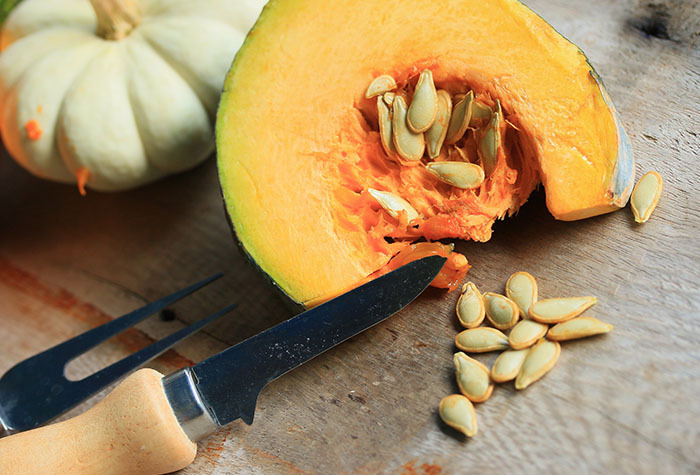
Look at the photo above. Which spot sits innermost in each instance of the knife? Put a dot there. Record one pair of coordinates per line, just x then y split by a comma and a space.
149, 423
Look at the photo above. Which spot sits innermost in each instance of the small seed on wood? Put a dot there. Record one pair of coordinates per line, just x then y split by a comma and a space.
539, 360
394, 204
526, 333
458, 412
408, 144
472, 378
380, 85
521, 288
424, 105
560, 309
580, 327
470, 306
435, 135
462, 175
461, 115
507, 365
481, 340
501, 311
646, 195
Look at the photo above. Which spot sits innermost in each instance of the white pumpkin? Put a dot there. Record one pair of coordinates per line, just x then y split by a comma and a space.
117, 93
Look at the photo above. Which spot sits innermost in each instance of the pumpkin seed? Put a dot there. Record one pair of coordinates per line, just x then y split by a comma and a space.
458, 412
580, 327
501, 311
408, 144
458, 174
424, 105
472, 378
490, 141
470, 306
481, 340
526, 333
385, 129
561, 309
481, 114
394, 204
646, 195
461, 115
508, 364
389, 97
435, 135
521, 288
380, 85
539, 360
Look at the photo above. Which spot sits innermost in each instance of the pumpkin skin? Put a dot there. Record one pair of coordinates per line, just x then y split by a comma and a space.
298, 146
116, 113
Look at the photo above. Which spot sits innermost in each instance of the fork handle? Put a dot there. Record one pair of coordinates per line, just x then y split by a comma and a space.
133, 430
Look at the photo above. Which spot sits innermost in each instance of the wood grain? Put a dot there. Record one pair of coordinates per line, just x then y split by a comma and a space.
626, 402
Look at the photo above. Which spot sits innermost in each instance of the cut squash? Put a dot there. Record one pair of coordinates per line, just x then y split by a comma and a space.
299, 142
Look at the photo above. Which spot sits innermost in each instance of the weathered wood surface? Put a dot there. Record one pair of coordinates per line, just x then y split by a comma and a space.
626, 402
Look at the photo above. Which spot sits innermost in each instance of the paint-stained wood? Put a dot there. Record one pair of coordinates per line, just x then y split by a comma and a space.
626, 402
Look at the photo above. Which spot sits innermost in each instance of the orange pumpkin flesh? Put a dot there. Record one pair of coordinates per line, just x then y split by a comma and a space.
298, 144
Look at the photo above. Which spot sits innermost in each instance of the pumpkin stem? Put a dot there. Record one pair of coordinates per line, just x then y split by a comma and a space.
116, 18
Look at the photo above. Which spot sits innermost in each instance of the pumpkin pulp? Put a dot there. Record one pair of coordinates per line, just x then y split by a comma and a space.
298, 144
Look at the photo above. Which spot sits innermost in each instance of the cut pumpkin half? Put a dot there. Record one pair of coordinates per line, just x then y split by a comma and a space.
299, 143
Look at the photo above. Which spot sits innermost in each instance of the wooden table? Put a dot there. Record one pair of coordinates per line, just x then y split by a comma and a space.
628, 402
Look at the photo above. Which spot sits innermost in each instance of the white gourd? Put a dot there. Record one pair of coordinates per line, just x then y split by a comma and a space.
124, 92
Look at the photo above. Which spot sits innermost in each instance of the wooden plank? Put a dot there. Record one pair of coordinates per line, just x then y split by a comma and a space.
625, 402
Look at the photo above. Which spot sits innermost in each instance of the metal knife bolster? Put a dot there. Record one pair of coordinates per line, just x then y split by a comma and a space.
194, 416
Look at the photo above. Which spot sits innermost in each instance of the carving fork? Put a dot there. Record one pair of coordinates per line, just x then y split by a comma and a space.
36, 391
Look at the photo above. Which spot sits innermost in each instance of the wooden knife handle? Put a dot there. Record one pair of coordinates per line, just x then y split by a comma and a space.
133, 430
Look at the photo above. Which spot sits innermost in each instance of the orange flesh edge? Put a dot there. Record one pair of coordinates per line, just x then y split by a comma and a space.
323, 149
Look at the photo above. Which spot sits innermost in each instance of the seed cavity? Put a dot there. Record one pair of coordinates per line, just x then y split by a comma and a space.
645, 196
380, 85
458, 412
462, 175
501, 311
507, 365
408, 144
526, 333
539, 360
560, 309
424, 105
521, 288
435, 135
472, 378
461, 115
490, 141
481, 340
394, 204
580, 327
470, 306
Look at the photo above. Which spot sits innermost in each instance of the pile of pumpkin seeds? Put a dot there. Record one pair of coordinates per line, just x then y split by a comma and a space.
411, 128
529, 350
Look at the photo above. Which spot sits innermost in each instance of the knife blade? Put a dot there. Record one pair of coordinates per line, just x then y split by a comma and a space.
225, 387
148, 424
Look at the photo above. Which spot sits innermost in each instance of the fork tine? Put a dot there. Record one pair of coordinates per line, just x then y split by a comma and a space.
93, 383
80, 344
